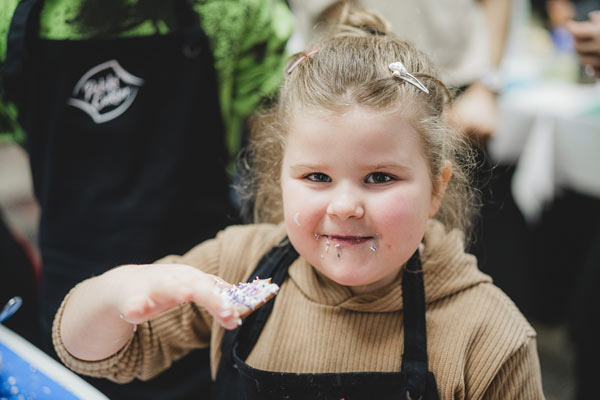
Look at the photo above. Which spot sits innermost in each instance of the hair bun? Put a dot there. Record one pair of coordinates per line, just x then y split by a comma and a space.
344, 14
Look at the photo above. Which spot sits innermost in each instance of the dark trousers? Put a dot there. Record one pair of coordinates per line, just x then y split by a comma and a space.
566, 243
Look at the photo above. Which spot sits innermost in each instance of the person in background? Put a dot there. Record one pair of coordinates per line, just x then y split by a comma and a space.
131, 112
586, 36
362, 203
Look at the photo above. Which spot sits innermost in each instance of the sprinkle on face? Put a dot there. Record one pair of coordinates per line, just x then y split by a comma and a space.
339, 250
296, 218
374, 245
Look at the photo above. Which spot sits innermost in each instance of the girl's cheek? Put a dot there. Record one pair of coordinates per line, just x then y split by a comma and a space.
399, 218
401, 205
309, 205
391, 208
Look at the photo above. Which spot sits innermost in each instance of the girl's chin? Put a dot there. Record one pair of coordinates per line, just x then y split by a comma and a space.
346, 278
358, 281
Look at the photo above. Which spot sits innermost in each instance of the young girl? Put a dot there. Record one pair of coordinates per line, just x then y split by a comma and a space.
363, 195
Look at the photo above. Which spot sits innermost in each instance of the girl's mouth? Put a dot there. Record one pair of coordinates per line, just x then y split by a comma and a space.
348, 240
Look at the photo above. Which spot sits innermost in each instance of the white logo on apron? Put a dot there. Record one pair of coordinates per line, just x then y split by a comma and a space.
105, 91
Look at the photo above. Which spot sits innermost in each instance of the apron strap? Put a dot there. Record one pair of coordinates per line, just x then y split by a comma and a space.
16, 47
189, 26
414, 357
274, 264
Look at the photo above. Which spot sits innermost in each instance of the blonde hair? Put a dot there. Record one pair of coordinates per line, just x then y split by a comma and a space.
349, 69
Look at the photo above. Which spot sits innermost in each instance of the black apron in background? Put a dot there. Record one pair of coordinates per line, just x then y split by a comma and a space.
127, 152
238, 380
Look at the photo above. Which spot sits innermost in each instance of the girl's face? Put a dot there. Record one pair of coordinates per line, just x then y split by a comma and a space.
357, 194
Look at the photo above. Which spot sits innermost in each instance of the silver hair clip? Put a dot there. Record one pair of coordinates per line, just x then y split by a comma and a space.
399, 70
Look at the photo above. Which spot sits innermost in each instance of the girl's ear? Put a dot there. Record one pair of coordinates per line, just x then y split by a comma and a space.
440, 189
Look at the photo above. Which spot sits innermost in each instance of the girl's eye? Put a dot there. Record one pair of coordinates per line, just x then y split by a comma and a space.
379, 177
318, 177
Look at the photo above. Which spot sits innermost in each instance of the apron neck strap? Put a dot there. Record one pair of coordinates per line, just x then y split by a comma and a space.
185, 14
22, 26
414, 358
189, 26
275, 265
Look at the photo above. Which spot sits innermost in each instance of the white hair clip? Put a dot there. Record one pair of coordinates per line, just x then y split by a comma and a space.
399, 70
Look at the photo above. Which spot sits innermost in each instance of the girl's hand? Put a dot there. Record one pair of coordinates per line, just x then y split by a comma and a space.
475, 114
141, 292
97, 317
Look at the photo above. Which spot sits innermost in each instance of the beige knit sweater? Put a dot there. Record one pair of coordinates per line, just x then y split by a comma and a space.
479, 344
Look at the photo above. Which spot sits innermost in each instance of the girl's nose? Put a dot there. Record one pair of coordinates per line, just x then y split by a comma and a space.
345, 206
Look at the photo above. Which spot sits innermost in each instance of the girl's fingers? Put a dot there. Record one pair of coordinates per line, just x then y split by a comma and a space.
221, 284
209, 295
582, 30
153, 289
587, 46
593, 60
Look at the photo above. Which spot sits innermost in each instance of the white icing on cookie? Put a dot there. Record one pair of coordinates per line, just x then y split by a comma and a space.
247, 297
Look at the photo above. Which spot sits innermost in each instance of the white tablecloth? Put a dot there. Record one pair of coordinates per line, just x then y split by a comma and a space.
551, 131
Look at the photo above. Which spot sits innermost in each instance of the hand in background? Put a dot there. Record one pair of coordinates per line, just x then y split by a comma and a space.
586, 36
475, 113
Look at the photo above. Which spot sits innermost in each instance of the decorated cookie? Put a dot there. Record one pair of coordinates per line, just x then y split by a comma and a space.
248, 297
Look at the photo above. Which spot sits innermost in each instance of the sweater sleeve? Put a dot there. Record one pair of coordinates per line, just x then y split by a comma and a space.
519, 377
156, 344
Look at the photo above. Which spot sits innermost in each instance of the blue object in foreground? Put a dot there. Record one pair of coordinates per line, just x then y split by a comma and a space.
27, 373
10, 308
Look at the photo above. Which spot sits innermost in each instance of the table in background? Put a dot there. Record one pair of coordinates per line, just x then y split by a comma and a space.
551, 131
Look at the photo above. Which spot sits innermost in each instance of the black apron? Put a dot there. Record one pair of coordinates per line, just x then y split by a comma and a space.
238, 380
127, 150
